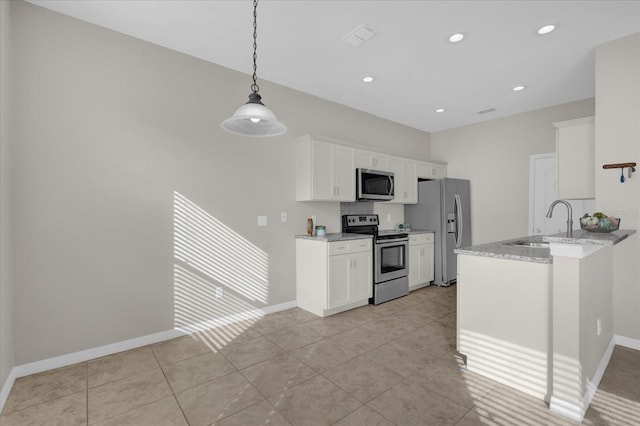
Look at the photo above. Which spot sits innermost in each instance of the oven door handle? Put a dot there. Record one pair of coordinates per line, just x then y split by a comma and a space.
395, 241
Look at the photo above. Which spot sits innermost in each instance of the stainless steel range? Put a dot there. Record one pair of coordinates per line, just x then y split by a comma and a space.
390, 257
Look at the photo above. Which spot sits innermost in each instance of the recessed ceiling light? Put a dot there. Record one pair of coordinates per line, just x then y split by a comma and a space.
519, 88
367, 79
457, 37
440, 110
546, 29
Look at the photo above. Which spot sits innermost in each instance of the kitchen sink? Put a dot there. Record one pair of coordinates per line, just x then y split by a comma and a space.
532, 244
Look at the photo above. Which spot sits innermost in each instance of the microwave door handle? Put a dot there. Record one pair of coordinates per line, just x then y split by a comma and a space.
390, 186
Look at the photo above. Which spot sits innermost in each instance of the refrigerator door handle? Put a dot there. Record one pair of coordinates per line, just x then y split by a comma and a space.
458, 211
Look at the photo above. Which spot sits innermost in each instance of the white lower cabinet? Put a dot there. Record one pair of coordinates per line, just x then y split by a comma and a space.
420, 260
332, 277
349, 279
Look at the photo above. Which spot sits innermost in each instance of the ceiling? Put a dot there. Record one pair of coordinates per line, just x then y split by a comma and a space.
416, 68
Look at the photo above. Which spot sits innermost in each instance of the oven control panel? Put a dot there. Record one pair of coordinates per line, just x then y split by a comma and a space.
362, 220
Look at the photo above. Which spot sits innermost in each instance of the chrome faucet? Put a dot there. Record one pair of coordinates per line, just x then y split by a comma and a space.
569, 211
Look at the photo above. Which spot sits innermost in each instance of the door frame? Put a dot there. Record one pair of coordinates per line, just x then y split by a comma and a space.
532, 177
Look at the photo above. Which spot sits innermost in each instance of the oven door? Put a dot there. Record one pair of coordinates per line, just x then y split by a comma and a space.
391, 259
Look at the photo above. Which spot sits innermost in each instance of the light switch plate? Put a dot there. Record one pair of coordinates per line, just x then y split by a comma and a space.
283, 217
262, 221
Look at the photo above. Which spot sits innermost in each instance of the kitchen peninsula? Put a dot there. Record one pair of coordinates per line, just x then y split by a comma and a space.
536, 313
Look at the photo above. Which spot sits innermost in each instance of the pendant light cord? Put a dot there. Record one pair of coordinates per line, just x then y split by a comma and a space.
254, 87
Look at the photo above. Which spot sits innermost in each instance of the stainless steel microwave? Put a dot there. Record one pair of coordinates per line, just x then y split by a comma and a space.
374, 185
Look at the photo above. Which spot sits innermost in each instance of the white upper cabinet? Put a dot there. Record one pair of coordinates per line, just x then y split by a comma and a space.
372, 160
431, 170
325, 171
575, 149
405, 180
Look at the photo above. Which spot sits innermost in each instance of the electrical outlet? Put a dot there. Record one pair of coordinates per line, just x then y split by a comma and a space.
262, 221
283, 217
388, 217
219, 292
598, 327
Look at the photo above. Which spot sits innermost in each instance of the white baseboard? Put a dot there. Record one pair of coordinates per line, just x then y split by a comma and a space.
85, 355
592, 385
6, 388
230, 319
627, 342
577, 411
567, 409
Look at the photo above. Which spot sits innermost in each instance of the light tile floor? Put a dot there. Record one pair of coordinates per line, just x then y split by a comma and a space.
392, 364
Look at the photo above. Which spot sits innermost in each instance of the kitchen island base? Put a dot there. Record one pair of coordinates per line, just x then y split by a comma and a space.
503, 321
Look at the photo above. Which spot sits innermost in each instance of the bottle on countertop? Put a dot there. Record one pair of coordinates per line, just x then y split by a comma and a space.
309, 226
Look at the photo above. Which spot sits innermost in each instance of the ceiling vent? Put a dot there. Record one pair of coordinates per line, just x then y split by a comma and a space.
486, 111
358, 36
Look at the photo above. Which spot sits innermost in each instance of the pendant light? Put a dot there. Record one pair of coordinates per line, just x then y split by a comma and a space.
254, 118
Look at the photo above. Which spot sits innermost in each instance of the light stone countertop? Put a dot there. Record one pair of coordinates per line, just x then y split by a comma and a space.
586, 237
339, 236
421, 231
501, 250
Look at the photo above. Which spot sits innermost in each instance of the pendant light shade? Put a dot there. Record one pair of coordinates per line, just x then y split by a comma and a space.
254, 118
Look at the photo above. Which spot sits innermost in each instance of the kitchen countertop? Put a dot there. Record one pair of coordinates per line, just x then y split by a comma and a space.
421, 231
501, 250
339, 236
586, 237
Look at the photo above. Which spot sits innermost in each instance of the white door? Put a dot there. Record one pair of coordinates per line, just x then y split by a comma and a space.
543, 192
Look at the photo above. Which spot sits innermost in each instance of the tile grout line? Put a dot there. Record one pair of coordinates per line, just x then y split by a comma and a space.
86, 389
175, 398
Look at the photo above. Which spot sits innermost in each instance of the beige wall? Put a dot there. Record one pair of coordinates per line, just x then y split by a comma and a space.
617, 141
112, 133
494, 155
6, 281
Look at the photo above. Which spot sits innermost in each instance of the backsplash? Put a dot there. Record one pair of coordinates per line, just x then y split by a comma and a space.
357, 207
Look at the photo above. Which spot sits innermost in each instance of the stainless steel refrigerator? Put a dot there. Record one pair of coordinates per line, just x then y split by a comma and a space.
443, 207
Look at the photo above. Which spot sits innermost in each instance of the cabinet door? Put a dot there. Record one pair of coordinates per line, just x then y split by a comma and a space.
395, 166
410, 174
372, 160
339, 271
414, 265
360, 281
344, 173
322, 171
439, 171
425, 171
364, 159
428, 263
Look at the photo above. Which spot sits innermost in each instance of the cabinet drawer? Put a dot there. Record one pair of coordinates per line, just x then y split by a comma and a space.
350, 246
417, 239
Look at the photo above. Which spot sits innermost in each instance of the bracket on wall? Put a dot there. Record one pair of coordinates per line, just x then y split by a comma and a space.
622, 166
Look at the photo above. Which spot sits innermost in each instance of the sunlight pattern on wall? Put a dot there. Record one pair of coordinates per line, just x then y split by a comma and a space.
206, 244
218, 276
523, 368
